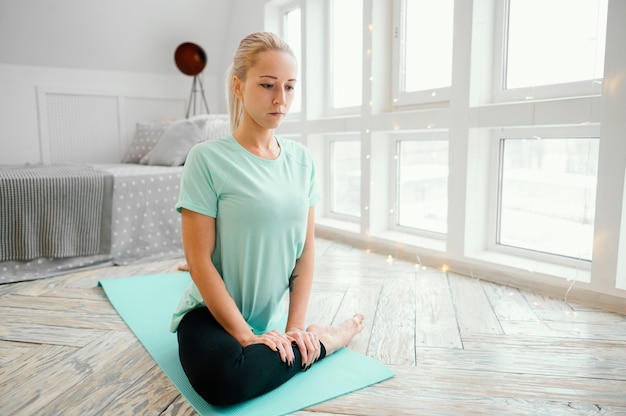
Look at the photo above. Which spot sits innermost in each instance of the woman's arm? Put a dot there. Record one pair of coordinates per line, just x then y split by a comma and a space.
199, 233
302, 278
299, 294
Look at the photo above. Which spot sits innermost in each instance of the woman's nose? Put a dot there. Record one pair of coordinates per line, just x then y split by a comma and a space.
279, 98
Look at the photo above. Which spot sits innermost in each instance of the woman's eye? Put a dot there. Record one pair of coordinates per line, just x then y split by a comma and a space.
290, 88
267, 86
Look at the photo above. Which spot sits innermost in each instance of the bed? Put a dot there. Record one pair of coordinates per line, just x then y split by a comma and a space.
63, 217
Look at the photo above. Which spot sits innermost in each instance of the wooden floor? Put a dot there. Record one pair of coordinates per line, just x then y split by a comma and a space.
459, 346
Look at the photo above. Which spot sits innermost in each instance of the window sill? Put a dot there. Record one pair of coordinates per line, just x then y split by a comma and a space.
534, 267
338, 226
413, 241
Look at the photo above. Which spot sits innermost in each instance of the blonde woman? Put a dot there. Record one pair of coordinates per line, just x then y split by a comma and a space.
247, 205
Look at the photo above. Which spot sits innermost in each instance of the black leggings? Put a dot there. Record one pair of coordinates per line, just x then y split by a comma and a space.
220, 370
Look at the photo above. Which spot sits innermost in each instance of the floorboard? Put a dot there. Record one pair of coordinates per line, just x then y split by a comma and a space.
458, 345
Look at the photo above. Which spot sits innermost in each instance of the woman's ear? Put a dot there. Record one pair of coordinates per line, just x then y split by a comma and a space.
237, 86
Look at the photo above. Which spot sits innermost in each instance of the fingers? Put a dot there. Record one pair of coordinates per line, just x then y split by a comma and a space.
307, 342
282, 344
309, 346
276, 341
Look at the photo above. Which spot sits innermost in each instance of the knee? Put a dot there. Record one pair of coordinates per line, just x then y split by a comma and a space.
214, 386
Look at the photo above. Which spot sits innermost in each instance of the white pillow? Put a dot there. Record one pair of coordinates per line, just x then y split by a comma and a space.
175, 143
217, 125
147, 134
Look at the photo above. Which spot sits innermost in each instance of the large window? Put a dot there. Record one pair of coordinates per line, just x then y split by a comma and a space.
345, 178
547, 194
469, 132
423, 50
422, 185
552, 42
346, 60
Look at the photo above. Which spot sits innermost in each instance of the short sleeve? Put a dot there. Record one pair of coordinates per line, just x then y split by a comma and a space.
314, 195
197, 188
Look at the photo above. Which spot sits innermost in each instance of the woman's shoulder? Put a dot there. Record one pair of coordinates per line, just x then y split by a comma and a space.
294, 149
209, 148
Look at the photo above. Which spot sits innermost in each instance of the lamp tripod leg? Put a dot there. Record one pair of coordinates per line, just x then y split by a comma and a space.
192, 97
206, 106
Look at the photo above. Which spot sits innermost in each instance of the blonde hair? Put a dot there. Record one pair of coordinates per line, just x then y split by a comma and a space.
245, 58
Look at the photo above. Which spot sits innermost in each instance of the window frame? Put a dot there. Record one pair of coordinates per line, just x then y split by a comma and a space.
413, 136
494, 188
330, 174
284, 10
401, 98
329, 110
500, 94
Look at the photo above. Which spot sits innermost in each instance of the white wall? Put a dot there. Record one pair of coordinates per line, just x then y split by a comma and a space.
115, 47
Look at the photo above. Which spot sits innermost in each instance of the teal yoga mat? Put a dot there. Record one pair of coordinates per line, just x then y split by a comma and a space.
146, 304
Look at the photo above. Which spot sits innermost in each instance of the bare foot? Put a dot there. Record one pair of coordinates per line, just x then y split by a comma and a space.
336, 337
183, 267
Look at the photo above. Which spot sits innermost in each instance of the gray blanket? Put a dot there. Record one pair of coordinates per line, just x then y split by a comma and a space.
54, 211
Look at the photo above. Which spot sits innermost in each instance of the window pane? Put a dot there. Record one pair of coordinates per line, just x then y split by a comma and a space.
423, 185
293, 36
555, 41
547, 195
346, 177
347, 47
427, 48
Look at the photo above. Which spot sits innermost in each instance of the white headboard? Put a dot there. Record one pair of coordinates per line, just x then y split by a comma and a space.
79, 126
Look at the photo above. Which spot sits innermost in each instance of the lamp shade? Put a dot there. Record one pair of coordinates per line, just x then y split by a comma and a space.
190, 58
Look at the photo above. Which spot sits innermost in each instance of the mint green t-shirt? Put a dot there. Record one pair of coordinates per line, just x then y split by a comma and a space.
261, 209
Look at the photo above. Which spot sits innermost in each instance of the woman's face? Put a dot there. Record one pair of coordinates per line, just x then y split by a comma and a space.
268, 91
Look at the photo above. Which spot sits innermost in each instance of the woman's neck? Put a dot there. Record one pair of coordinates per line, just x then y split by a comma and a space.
260, 142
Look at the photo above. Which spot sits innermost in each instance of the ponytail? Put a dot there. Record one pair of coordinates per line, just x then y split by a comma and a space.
234, 104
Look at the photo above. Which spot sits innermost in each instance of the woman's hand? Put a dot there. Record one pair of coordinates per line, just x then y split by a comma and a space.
308, 343
276, 341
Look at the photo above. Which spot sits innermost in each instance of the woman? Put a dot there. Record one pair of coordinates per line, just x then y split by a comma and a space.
248, 231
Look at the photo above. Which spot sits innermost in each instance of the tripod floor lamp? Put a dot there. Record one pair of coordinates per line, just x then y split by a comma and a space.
191, 60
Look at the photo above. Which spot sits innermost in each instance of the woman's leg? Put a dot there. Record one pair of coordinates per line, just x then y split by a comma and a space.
223, 372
